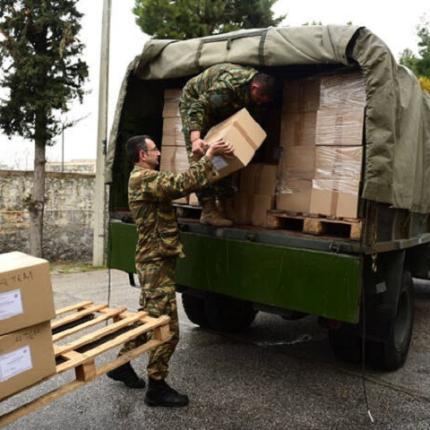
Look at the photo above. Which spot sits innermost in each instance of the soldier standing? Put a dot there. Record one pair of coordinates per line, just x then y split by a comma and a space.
150, 195
208, 99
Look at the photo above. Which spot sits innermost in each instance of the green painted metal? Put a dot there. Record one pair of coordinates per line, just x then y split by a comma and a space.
122, 246
320, 283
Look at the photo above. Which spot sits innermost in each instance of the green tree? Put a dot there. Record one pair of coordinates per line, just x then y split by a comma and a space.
419, 64
42, 73
183, 19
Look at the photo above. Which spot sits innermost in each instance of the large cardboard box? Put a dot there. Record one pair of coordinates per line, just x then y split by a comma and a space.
338, 198
245, 135
260, 204
346, 90
171, 102
297, 162
174, 159
343, 126
323, 127
25, 291
172, 132
338, 162
294, 195
26, 357
258, 178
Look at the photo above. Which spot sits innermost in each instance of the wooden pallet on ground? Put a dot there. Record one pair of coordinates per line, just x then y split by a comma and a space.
316, 225
80, 353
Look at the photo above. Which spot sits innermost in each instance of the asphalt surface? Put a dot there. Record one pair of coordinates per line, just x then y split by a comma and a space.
279, 375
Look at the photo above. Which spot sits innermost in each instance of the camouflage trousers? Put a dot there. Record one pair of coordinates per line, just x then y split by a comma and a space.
222, 189
157, 298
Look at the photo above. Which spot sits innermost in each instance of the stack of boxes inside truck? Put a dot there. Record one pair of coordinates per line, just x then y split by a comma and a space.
26, 307
321, 139
320, 143
174, 156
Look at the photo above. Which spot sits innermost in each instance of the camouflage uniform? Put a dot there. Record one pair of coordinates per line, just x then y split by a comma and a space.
208, 99
150, 194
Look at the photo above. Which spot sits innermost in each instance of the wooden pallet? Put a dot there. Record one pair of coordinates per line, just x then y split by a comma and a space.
80, 353
316, 225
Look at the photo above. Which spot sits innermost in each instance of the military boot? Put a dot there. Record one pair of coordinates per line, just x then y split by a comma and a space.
127, 375
212, 216
226, 207
160, 394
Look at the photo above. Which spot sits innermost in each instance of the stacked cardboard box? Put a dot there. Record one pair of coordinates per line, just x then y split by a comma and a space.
174, 156
26, 306
321, 139
256, 194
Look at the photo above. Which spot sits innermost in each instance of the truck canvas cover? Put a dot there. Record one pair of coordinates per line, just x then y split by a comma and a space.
397, 126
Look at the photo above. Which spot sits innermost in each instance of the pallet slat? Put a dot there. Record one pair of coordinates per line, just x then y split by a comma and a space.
83, 363
315, 225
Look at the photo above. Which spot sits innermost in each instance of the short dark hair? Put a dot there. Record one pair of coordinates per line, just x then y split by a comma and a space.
266, 83
136, 144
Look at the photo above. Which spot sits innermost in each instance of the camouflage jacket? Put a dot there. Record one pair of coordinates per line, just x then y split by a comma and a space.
214, 95
150, 195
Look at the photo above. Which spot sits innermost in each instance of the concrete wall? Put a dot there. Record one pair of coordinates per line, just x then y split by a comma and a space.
68, 233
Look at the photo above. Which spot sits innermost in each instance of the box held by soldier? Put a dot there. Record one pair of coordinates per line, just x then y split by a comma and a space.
246, 136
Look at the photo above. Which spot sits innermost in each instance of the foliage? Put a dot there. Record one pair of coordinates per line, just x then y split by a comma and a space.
41, 65
425, 83
419, 64
183, 19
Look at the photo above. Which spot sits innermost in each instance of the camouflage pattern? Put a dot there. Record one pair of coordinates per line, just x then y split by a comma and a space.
208, 99
214, 95
149, 196
157, 298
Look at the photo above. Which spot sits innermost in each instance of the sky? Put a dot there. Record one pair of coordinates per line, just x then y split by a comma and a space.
393, 22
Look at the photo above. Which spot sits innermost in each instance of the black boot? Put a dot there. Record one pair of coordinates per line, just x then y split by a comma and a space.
160, 394
126, 374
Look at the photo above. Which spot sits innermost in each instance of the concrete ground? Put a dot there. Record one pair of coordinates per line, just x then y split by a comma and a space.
279, 375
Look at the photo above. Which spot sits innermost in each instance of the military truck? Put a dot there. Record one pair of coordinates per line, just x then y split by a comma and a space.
361, 289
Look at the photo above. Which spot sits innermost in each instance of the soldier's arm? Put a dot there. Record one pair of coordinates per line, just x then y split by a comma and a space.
169, 186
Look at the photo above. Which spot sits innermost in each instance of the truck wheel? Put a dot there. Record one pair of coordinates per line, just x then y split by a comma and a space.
194, 308
391, 354
228, 315
346, 346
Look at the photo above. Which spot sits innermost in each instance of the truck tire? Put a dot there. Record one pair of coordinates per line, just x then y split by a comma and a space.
194, 307
228, 315
391, 354
346, 346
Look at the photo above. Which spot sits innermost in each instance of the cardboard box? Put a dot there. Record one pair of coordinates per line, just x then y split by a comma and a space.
260, 204
339, 127
174, 159
294, 195
246, 136
338, 162
323, 127
297, 162
193, 200
171, 102
25, 291
26, 357
338, 198
258, 178
346, 90
298, 128
172, 132
301, 95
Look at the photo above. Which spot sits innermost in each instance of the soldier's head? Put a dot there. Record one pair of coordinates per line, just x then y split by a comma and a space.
142, 150
262, 89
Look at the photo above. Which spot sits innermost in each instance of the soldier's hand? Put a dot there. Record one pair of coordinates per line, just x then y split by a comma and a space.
198, 147
219, 147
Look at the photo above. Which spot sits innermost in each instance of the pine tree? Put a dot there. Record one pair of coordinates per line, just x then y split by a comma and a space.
183, 19
42, 73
